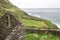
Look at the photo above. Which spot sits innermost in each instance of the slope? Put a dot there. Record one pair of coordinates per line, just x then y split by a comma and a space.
28, 21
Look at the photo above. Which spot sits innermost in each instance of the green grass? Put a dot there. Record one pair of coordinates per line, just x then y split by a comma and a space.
38, 24
33, 23
29, 21
41, 36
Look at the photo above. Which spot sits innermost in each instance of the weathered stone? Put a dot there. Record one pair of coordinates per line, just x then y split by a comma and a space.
46, 31
11, 28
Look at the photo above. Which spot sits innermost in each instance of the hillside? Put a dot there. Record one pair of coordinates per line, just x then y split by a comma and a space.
28, 21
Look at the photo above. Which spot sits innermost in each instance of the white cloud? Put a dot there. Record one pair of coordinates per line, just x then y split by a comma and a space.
36, 3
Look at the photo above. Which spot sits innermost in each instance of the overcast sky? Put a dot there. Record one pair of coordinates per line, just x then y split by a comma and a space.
36, 3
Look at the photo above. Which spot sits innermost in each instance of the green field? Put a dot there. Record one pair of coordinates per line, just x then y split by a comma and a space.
41, 36
44, 24
33, 23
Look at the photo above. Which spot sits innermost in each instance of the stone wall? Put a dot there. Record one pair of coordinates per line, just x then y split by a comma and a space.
11, 28
53, 31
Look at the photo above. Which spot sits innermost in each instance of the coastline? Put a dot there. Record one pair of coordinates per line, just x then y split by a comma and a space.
44, 18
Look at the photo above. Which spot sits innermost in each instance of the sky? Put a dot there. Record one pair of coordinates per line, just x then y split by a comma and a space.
36, 3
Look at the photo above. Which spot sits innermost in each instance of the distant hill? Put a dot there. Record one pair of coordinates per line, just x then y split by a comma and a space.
28, 21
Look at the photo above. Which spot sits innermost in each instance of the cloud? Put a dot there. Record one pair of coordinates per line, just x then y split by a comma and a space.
36, 3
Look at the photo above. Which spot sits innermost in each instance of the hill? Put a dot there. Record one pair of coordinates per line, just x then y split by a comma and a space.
28, 21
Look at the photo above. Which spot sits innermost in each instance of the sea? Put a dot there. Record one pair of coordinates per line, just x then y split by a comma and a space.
52, 14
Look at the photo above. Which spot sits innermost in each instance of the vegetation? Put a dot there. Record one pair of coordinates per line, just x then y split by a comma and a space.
41, 36
33, 23
8, 21
28, 21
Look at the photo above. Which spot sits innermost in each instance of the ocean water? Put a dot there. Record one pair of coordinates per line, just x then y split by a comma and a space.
52, 14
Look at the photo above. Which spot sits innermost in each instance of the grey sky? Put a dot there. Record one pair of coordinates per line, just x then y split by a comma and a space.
36, 3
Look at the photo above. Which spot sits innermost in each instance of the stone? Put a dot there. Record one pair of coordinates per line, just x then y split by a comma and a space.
11, 28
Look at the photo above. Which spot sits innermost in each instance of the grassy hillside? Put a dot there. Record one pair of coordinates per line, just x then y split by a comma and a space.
28, 21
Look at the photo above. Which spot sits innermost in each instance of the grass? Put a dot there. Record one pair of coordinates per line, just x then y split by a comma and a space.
41, 36
38, 24
33, 23
29, 21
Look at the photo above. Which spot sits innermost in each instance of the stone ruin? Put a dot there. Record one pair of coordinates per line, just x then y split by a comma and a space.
11, 28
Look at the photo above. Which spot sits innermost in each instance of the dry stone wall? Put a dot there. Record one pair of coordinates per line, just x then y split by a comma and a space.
11, 28
53, 31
